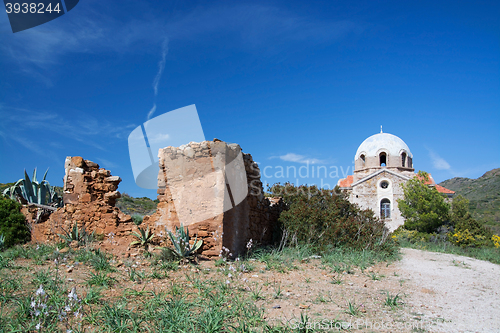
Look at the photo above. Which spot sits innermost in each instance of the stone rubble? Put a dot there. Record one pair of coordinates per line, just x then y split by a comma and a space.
90, 195
223, 205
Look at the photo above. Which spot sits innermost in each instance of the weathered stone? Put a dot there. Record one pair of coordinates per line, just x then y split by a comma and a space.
77, 161
124, 218
70, 198
194, 174
113, 179
104, 172
89, 196
85, 198
91, 164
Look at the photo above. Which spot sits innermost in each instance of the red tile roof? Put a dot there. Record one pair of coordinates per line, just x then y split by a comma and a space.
440, 188
346, 182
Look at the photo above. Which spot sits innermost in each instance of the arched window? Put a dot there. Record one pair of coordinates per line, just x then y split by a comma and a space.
383, 159
385, 209
363, 158
403, 159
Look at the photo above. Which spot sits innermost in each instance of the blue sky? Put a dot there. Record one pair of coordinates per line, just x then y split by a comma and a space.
292, 82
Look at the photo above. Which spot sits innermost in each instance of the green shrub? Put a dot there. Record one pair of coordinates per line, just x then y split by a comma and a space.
468, 231
2, 242
137, 219
413, 236
13, 224
322, 218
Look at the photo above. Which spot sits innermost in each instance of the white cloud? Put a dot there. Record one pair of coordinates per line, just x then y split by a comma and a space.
438, 162
23, 123
93, 29
158, 138
258, 25
90, 30
291, 157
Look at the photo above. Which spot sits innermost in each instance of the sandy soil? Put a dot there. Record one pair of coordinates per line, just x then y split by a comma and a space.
452, 293
436, 292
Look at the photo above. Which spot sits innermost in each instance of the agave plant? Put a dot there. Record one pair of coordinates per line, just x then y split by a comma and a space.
75, 234
143, 239
180, 242
28, 190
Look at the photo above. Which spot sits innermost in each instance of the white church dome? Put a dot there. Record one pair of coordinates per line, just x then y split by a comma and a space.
392, 144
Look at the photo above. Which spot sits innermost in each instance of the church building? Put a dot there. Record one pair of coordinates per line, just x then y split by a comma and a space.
383, 162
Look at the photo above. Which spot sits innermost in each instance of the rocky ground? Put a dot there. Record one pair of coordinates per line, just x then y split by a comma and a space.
423, 292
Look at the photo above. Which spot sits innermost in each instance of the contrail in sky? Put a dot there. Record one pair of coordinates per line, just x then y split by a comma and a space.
161, 67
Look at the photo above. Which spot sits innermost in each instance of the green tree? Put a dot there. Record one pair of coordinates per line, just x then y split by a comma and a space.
459, 210
13, 224
423, 208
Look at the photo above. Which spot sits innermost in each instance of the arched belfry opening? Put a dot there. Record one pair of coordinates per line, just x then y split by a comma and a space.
383, 159
385, 209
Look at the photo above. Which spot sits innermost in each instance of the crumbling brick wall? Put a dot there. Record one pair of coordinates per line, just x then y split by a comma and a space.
90, 195
193, 189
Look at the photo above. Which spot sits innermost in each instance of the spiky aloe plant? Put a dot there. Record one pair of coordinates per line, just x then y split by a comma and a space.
143, 239
75, 234
180, 242
28, 190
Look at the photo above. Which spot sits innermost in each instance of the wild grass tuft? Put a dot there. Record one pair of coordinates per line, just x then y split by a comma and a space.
100, 279
392, 301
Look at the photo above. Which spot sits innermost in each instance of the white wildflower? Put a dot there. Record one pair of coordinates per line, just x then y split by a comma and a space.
72, 294
40, 291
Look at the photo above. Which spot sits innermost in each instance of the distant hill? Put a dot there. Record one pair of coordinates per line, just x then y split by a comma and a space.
483, 194
4, 186
142, 206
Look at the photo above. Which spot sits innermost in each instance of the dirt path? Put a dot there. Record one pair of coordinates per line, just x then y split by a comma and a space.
451, 293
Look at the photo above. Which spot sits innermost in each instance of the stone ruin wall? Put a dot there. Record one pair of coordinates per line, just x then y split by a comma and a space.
90, 195
202, 190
